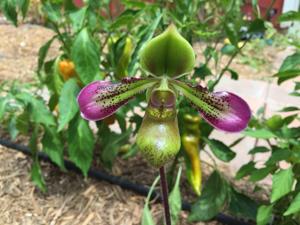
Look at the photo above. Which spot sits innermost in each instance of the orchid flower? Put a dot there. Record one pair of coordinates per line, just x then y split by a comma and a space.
167, 57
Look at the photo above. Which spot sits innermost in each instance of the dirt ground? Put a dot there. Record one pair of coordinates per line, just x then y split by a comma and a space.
19, 49
70, 198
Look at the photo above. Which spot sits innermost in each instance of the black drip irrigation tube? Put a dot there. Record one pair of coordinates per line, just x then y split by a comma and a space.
117, 180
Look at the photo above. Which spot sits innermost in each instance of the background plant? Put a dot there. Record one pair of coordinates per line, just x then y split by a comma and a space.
281, 133
97, 43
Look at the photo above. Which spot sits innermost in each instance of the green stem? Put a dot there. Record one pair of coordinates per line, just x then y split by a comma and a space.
165, 194
61, 38
105, 42
211, 88
215, 47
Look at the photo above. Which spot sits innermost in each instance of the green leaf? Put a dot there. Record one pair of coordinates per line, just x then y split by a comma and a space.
287, 120
290, 68
220, 150
297, 86
257, 26
52, 12
134, 4
67, 104
137, 120
146, 217
289, 109
85, 54
37, 177
23, 5
206, 128
242, 206
261, 133
69, 5
245, 170
23, 122
295, 157
77, 18
258, 149
10, 11
43, 53
278, 155
36, 173
289, 16
81, 143
123, 20
264, 214
202, 71
234, 74
3, 103
121, 118
41, 114
291, 62
282, 184
111, 143
132, 151
116, 52
292, 132
254, 3
259, 174
38, 110
211, 52
231, 33
294, 206
53, 80
287, 74
53, 146
295, 93
212, 199
175, 199
237, 141
146, 35
33, 142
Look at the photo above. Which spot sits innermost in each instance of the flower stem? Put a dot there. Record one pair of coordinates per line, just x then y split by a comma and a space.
164, 190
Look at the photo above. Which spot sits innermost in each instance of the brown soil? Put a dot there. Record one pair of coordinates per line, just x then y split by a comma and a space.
19, 49
70, 198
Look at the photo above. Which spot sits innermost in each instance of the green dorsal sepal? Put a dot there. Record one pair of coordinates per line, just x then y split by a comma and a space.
168, 54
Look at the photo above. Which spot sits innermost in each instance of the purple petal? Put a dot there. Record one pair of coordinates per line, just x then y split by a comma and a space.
223, 110
234, 115
101, 99
89, 108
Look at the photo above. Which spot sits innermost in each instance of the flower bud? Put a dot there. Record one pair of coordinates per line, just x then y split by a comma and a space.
168, 54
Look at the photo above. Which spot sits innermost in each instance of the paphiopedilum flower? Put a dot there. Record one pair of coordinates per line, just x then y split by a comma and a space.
166, 58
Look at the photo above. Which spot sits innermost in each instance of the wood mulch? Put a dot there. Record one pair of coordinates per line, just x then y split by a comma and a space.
70, 199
